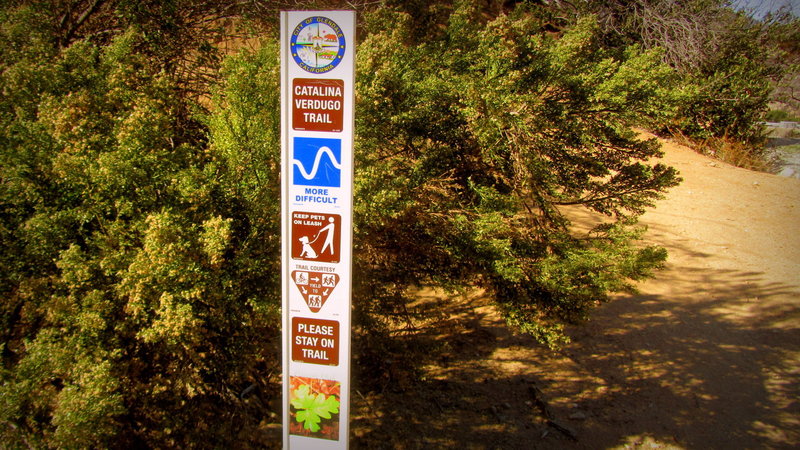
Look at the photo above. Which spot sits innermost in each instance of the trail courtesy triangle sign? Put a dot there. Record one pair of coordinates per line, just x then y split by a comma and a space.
315, 287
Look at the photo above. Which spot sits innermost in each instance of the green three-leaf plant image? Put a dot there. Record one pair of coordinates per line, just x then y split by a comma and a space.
311, 408
315, 407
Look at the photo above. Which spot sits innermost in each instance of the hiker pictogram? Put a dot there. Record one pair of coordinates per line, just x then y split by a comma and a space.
316, 236
315, 287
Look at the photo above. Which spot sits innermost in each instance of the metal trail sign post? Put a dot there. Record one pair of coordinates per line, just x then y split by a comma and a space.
317, 96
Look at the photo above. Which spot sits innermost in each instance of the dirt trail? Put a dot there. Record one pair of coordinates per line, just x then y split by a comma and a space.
707, 355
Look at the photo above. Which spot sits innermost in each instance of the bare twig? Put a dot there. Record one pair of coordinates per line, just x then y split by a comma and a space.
544, 408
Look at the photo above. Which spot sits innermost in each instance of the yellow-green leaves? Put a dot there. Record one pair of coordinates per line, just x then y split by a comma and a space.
470, 142
87, 407
215, 238
174, 323
312, 407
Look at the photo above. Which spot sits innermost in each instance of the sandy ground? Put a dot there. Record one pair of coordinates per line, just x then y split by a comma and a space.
706, 355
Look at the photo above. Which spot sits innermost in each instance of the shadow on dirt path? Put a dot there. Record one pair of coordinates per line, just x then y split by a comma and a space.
719, 371
706, 355
468, 395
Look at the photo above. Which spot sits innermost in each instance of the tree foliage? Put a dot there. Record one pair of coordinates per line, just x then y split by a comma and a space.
729, 63
731, 89
463, 165
137, 297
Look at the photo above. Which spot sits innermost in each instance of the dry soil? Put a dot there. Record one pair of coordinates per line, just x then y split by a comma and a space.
706, 355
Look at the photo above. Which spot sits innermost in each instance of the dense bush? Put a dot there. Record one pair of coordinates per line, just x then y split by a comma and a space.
730, 90
138, 298
728, 62
140, 242
467, 147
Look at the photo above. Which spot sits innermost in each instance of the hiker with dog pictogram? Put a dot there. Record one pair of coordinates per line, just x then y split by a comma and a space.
316, 236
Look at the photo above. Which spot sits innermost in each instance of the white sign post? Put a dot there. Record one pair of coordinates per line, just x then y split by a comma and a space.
317, 96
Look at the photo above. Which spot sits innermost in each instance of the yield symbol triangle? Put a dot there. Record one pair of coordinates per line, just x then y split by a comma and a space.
315, 287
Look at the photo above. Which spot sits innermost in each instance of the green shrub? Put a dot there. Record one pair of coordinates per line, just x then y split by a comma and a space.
138, 297
779, 115
469, 145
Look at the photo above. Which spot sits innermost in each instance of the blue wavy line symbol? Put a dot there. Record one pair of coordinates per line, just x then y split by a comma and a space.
313, 174
322, 156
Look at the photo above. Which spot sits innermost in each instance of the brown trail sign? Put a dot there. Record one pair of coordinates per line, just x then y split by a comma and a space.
315, 341
317, 104
316, 236
315, 287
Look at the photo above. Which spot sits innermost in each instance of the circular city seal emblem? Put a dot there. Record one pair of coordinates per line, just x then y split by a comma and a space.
317, 44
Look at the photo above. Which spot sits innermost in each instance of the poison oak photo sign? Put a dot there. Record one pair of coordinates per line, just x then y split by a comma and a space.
317, 98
